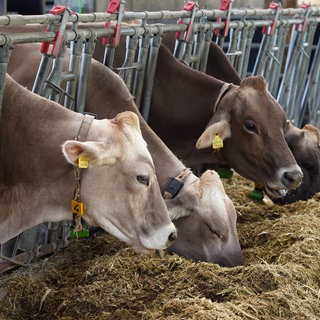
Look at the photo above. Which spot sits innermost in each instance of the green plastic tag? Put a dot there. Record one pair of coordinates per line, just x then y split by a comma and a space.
256, 194
225, 173
84, 233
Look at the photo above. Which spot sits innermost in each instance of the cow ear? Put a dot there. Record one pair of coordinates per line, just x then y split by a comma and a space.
182, 205
95, 153
221, 127
314, 130
209, 180
127, 118
256, 82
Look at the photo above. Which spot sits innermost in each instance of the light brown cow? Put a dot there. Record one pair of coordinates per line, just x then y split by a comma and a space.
108, 95
119, 188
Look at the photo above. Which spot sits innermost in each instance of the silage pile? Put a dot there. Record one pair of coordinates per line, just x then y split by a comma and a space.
100, 278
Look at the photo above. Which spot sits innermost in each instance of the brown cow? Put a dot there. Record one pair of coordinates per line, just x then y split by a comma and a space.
108, 95
303, 143
305, 146
247, 118
37, 183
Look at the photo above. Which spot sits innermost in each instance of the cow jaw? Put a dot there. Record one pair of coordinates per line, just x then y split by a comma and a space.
141, 244
275, 193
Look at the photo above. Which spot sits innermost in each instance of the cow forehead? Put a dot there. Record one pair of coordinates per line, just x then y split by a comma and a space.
260, 102
304, 140
214, 203
127, 138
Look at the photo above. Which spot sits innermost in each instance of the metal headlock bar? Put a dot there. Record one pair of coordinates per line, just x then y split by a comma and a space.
291, 68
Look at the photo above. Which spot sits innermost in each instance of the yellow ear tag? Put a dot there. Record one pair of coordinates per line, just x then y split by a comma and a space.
217, 142
83, 163
77, 207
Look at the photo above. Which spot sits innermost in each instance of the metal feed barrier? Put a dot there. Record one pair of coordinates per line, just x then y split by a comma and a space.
288, 57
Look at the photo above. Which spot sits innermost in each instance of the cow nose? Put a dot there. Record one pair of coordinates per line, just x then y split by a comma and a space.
292, 179
173, 236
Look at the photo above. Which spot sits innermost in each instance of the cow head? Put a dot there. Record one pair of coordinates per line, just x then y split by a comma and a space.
119, 188
251, 123
206, 222
305, 146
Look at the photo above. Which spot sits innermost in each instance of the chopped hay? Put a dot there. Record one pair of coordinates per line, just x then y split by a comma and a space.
101, 278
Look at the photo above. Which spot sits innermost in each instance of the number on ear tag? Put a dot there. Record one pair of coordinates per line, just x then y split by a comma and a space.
77, 207
217, 142
83, 163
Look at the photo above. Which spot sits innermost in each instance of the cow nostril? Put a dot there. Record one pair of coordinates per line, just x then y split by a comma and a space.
173, 236
292, 178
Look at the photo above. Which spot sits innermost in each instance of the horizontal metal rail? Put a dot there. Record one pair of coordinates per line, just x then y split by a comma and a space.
18, 38
6, 20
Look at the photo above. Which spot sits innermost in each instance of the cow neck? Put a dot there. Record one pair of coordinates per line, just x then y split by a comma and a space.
225, 87
77, 204
176, 184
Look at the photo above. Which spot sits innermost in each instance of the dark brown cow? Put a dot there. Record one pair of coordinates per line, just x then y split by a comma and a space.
305, 146
218, 66
37, 184
108, 95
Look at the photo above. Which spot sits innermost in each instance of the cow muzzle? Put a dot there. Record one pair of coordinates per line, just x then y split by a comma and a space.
172, 237
289, 178
157, 239
292, 178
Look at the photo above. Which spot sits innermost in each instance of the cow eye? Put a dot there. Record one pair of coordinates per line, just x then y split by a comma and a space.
251, 126
143, 180
214, 232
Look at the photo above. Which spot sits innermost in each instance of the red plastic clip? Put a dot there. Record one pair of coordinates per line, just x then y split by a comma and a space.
224, 6
58, 40
305, 6
57, 9
272, 29
188, 6
113, 7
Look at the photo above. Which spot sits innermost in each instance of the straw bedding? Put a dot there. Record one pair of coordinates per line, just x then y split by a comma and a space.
101, 278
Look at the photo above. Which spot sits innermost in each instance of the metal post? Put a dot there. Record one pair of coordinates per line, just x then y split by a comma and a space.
144, 44
149, 78
5, 52
84, 74
126, 72
310, 105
